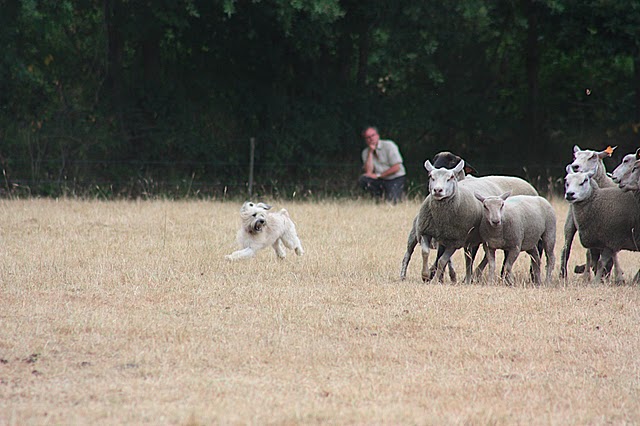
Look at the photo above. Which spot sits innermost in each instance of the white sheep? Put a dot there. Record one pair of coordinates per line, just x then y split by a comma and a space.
607, 219
419, 234
447, 160
584, 160
516, 224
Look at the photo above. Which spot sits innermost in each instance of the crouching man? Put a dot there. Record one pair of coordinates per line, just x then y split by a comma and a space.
384, 173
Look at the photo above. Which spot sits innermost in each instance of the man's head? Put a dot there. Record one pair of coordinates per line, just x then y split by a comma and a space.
371, 136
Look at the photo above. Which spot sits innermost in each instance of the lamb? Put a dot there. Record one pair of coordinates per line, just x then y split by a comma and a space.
516, 224
607, 219
584, 160
423, 220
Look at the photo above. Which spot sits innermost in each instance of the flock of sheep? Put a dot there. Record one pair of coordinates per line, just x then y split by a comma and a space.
506, 213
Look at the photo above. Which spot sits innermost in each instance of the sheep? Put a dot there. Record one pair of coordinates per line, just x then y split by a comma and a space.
516, 224
442, 159
607, 219
625, 166
584, 160
630, 181
422, 220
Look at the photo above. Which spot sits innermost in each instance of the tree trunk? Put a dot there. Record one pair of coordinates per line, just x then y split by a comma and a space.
636, 84
532, 110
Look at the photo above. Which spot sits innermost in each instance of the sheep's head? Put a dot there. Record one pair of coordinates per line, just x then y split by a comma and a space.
587, 159
493, 208
631, 180
625, 166
443, 182
254, 216
577, 186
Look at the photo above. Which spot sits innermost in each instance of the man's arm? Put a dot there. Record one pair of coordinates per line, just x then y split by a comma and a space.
368, 165
391, 170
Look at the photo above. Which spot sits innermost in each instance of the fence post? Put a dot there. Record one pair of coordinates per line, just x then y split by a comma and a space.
252, 151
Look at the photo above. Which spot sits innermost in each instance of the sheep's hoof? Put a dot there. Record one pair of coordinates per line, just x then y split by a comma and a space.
579, 269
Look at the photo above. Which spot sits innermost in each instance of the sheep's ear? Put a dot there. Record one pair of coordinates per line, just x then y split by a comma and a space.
576, 148
479, 197
568, 169
506, 195
638, 154
459, 167
428, 166
469, 169
264, 206
607, 152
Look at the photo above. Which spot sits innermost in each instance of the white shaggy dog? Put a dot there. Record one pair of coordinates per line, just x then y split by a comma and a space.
261, 228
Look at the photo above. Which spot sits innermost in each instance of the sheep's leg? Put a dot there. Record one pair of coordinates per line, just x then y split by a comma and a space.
442, 262
570, 230
432, 270
551, 257
279, 248
619, 273
241, 254
534, 268
452, 272
509, 260
636, 278
504, 261
480, 268
490, 255
540, 248
469, 255
412, 241
605, 257
425, 246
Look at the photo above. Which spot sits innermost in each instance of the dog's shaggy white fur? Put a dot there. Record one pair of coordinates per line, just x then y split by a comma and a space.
261, 228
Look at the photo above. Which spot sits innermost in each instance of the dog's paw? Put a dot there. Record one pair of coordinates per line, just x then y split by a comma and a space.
228, 257
299, 251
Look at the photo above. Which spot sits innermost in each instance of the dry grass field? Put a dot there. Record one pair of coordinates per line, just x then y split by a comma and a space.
128, 313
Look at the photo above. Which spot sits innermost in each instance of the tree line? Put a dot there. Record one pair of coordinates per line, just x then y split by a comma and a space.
133, 96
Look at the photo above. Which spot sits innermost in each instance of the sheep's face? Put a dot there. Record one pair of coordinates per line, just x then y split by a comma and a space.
254, 216
586, 159
577, 186
625, 166
492, 209
442, 183
631, 180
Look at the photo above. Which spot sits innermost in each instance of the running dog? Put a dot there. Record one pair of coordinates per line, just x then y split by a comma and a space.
261, 228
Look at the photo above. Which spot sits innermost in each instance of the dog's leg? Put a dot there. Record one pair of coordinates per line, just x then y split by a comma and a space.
279, 248
292, 242
241, 254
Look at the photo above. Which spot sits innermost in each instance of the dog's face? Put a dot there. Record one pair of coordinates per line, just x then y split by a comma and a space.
253, 216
